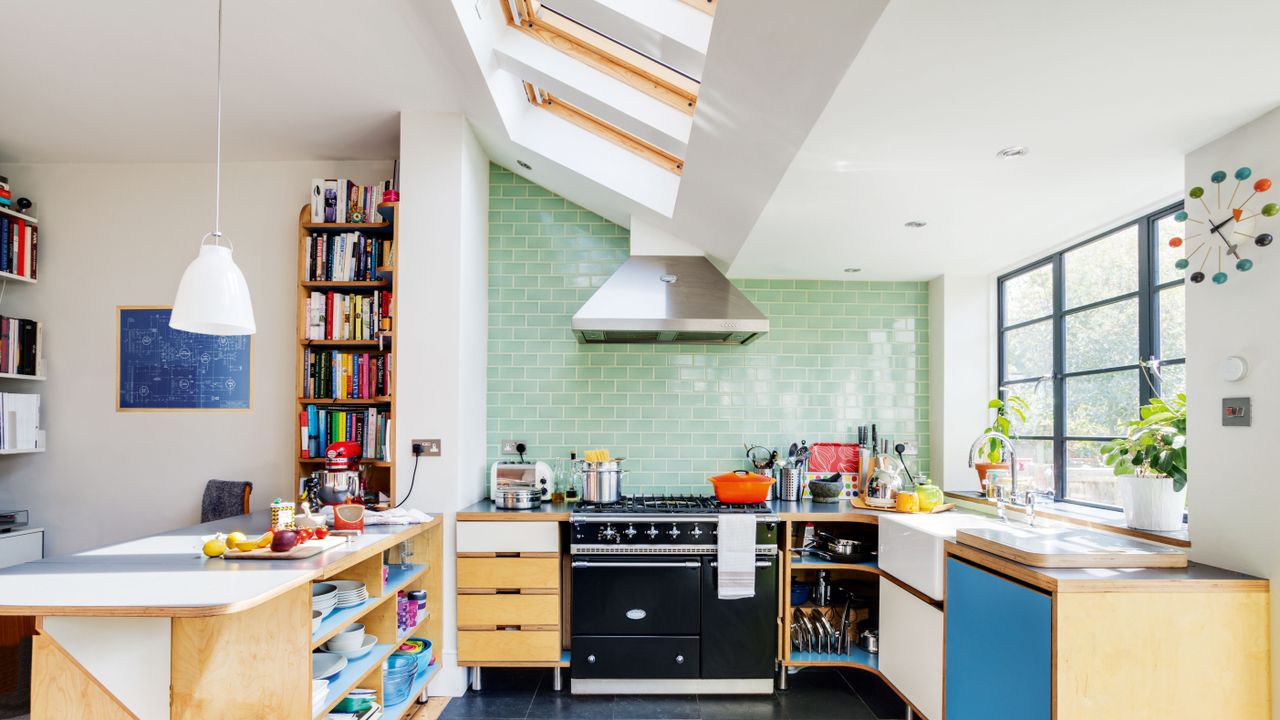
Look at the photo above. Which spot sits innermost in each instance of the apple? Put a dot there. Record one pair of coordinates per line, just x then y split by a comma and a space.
284, 540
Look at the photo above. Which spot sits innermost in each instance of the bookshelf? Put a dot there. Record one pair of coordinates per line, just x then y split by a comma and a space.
380, 473
20, 341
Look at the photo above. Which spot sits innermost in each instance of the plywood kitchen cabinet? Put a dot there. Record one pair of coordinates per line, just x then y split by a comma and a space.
911, 647
1103, 644
509, 593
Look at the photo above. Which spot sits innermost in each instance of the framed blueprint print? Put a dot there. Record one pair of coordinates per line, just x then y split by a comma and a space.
162, 369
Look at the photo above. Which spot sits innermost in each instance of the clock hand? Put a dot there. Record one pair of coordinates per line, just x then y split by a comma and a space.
1224, 222
1232, 250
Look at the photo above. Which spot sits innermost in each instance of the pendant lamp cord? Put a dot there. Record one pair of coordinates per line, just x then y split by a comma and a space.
217, 162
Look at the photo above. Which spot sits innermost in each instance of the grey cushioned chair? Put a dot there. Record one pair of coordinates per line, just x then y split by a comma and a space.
224, 499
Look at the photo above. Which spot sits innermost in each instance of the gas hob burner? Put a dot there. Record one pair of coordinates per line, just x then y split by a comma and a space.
669, 504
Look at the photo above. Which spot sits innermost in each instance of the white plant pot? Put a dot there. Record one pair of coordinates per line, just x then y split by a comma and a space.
1150, 502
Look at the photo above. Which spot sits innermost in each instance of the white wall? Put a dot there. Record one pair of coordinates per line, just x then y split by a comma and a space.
442, 331
122, 234
1232, 491
961, 373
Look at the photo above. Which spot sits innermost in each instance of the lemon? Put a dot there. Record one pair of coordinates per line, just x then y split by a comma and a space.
235, 538
214, 548
247, 545
265, 540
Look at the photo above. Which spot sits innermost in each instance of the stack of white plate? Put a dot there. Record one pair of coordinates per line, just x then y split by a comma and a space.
324, 596
319, 693
350, 592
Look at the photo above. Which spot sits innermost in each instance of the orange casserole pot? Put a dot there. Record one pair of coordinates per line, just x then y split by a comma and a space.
741, 486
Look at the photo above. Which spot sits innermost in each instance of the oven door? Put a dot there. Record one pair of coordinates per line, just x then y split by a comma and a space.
740, 637
629, 595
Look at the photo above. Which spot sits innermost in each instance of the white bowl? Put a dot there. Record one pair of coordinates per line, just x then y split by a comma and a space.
353, 627
358, 652
322, 588
316, 617
326, 665
346, 641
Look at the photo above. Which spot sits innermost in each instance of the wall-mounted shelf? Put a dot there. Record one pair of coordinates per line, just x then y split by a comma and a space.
17, 278
22, 451
346, 284
9, 212
20, 376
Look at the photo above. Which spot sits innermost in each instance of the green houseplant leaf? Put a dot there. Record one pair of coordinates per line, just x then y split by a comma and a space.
1155, 443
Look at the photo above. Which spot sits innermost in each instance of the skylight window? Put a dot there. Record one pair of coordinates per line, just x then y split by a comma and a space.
603, 53
604, 129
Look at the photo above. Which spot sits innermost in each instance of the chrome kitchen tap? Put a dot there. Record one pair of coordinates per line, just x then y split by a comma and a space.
1004, 440
1028, 498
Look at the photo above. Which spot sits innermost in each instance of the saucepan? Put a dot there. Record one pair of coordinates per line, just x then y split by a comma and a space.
741, 486
843, 548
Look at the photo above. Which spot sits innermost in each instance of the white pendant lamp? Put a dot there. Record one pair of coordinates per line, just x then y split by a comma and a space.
213, 298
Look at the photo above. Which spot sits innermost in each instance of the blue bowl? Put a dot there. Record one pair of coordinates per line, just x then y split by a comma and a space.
800, 593
398, 678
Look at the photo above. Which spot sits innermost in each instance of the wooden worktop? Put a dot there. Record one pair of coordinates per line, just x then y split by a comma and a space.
1195, 577
165, 575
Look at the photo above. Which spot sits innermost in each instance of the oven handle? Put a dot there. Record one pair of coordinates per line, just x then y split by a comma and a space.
759, 563
687, 564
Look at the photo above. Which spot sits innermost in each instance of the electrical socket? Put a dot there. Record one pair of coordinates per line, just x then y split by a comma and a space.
509, 447
426, 448
910, 448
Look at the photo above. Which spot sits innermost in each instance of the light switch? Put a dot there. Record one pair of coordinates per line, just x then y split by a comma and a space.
1237, 412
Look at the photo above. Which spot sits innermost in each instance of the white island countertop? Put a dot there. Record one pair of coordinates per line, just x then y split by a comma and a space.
166, 574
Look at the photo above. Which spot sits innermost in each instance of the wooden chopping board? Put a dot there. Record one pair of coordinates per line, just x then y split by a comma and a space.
858, 502
1071, 548
314, 546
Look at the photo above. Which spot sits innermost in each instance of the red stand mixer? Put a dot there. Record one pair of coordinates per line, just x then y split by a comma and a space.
341, 482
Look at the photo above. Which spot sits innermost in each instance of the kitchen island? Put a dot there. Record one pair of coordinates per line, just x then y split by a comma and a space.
150, 628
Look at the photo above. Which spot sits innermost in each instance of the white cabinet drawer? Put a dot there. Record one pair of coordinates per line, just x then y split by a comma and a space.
17, 549
508, 536
911, 647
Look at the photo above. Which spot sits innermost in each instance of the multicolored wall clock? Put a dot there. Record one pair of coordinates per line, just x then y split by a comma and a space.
1223, 229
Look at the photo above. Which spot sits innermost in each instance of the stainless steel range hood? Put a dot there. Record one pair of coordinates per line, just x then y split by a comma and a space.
669, 299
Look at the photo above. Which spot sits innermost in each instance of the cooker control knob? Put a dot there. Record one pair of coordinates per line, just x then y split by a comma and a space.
608, 533
630, 532
591, 658
674, 532
679, 659
697, 531
652, 532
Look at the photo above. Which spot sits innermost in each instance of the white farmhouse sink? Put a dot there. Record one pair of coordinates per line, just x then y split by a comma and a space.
911, 545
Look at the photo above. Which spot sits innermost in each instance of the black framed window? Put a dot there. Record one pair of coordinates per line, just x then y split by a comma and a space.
1087, 336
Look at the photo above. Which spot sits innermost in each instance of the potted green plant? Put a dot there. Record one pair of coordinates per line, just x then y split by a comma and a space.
1006, 408
1151, 462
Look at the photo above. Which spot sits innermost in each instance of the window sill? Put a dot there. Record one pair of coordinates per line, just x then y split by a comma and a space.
1096, 518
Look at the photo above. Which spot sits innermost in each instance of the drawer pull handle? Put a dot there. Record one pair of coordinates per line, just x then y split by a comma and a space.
591, 658
688, 564
636, 614
679, 659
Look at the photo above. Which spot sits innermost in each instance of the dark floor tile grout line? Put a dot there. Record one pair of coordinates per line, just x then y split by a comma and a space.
534, 696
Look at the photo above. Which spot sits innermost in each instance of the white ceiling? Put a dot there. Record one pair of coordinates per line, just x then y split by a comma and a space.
303, 79
1108, 95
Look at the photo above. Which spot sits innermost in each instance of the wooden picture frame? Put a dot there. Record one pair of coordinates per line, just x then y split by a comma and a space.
121, 313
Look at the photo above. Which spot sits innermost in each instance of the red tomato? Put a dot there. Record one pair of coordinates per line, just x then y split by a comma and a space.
322, 532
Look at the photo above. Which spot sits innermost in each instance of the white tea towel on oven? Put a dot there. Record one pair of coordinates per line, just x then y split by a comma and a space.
736, 556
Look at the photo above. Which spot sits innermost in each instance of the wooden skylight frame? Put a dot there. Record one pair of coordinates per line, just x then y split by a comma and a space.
706, 6
609, 131
604, 54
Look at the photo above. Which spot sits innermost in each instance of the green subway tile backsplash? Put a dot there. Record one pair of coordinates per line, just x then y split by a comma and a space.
838, 354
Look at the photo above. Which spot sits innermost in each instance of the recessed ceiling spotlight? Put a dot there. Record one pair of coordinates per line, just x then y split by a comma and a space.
1013, 151
524, 164
915, 223
853, 270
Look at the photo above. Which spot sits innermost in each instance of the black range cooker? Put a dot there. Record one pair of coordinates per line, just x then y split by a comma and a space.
646, 616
